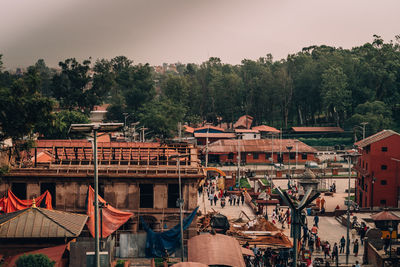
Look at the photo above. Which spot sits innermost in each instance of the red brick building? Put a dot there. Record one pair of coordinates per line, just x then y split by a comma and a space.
378, 170
260, 151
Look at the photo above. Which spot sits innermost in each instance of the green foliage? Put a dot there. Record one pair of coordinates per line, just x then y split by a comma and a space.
34, 260
22, 106
161, 117
58, 125
244, 183
376, 114
120, 263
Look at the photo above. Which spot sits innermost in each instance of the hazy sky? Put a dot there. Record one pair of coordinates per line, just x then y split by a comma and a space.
158, 31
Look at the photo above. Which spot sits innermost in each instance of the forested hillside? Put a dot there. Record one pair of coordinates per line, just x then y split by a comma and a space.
319, 85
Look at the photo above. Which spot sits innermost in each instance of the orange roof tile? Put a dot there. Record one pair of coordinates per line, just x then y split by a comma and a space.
385, 216
188, 129
265, 128
376, 137
244, 122
260, 145
318, 129
214, 135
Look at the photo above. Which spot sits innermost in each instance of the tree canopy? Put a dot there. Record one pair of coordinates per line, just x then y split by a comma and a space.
317, 86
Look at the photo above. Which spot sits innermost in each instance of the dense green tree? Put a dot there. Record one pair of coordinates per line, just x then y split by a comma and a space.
34, 260
57, 126
22, 106
335, 95
376, 114
161, 117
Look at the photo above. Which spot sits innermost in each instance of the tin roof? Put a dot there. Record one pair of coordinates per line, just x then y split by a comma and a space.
209, 127
246, 131
385, 216
214, 135
259, 145
188, 129
244, 122
318, 129
215, 250
36, 222
265, 128
376, 137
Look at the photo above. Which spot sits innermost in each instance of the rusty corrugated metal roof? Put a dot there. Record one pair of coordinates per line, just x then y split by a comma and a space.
265, 128
214, 135
318, 129
259, 145
385, 216
376, 137
41, 223
244, 122
246, 131
209, 127
215, 250
188, 129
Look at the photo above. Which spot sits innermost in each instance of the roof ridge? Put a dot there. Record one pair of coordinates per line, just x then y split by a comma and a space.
16, 216
62, 226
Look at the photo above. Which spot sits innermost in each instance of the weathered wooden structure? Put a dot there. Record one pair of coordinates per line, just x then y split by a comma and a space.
138, 177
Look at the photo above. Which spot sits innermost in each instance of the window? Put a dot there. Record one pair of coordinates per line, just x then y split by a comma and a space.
267, 156
304, 156
255, 136
173, 195
366, 166
230, 156
51, 187
255, 155
292, 155
383, 202
146, 195
383, 182
384, 149
19, 190
383, 167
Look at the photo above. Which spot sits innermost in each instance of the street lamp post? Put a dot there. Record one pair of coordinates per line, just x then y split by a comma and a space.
180, 200
349, 158
95, 129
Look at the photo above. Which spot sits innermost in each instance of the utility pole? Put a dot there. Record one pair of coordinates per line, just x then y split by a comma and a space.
180, 131
238, 158
208, 129
349, 158
363, 124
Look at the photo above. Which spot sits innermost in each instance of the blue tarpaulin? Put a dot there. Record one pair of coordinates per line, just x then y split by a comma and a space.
158, 242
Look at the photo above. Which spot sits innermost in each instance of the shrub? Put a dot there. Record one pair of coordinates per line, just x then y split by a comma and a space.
34, 260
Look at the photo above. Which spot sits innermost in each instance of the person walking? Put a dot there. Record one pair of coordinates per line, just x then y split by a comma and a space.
355, 248
342, 244
327, 249
215, 199
335, 252
316, 220
242, 198
234, 199
211, 198
317, 243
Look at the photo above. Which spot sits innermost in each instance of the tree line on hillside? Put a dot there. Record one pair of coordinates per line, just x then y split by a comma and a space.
318, 86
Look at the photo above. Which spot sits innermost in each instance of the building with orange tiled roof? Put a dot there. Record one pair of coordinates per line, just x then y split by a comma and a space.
262, 151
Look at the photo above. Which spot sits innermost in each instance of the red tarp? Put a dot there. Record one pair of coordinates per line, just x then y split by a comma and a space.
112, 218
54, 254
11, 203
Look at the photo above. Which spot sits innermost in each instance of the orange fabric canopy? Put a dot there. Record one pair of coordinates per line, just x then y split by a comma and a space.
11, 203
112, 218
